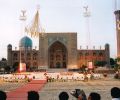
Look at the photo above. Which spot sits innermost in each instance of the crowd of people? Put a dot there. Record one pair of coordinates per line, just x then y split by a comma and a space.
79, 94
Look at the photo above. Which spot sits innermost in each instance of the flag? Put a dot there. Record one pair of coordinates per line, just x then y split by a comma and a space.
34, 29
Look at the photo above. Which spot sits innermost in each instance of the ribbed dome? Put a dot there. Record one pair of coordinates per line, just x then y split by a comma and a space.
25, 42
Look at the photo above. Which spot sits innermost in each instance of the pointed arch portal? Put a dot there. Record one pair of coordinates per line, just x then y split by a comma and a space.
57, 55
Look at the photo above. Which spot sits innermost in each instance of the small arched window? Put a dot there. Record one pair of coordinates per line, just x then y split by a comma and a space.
94, 53
100, 54
15, 54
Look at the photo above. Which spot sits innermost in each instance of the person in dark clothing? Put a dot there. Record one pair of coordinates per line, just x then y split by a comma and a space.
33, 95
115, 93
3, 95
94, 96
63, 96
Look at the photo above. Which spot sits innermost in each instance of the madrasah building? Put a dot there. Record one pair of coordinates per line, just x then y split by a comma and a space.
56, 51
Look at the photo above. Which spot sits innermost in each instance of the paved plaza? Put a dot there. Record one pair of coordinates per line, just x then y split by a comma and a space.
102, 86
52, 89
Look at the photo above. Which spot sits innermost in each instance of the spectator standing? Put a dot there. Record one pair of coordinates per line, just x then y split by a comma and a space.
94, 96
115, 93
63, 96
33, 95
3, 95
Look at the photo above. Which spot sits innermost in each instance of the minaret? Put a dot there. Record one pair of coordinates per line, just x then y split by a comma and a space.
107, 54
87, 16
117, 16
9, 55
22, 19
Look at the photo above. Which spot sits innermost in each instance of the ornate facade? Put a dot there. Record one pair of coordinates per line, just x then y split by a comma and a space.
56, 50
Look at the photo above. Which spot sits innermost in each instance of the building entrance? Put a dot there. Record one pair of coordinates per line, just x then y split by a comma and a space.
57, 55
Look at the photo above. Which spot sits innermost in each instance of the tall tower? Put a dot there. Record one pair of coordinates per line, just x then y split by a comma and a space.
107, 54
117, 16
9, 54
22, 18
22, 65
87, 16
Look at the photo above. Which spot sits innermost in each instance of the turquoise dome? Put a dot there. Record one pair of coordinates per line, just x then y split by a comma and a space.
25, 42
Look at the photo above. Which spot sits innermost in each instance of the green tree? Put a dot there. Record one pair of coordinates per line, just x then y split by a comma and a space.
7, 68
100, 63
118, 59
15, 66
117, 63
83, 68
3, 59
112, 62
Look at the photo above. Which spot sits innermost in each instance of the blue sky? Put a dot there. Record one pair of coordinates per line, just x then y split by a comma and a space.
60, 16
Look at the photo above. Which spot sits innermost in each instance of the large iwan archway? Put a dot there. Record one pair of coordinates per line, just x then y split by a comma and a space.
57, 55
